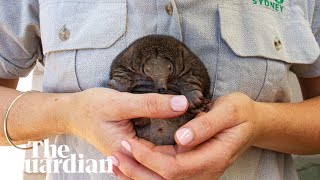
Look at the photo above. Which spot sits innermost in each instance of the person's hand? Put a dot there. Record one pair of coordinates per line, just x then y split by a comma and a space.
207, 145
102, 116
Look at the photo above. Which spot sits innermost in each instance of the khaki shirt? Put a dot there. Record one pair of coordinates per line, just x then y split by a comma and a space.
248, 46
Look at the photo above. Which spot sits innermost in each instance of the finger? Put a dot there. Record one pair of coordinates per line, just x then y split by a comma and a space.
218, 152
166, 149
145, 142
214, 154
150, 105
124, 177
118, 173
154, 160
121, 176
115, 172
130, 168
181, 149
200, 114
203, 127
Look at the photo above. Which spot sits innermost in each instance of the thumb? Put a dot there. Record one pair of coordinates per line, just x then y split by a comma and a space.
150, 105
203, 127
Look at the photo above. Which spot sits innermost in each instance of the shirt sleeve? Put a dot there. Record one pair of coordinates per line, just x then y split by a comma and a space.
311, 70
19, 37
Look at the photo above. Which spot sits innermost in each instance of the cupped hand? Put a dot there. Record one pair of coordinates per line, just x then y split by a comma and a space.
102, 116
206, 146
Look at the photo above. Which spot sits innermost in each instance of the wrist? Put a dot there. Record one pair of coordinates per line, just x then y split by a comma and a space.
61, 110
263, 112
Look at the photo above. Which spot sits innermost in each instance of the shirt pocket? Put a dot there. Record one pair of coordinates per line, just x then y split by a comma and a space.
252, 33
259, 36
87, 24
70, 29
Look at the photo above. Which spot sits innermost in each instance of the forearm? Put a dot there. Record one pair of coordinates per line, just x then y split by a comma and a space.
34, 116
10, 83
289, 127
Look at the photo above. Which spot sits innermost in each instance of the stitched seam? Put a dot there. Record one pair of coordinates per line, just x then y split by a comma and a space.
75, 70
264, 81
218, 58
61, 2
179, 19
126, 27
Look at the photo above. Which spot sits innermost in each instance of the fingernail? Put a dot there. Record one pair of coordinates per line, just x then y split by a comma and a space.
185, 136
126, 145
179, 103
114, 160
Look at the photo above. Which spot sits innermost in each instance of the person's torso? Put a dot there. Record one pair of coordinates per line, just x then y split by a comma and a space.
247, 46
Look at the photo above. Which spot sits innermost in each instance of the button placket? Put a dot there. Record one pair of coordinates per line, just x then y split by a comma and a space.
168, 21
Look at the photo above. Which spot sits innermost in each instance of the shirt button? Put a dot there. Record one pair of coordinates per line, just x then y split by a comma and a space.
64, 33
169, 9
277, 44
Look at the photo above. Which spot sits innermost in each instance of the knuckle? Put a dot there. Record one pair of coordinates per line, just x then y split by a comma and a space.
174, 173
223, 166
169, 175
142, 158
207, 126
232, 112
128, 172
120, 112
113, 101
122, 108
151, 103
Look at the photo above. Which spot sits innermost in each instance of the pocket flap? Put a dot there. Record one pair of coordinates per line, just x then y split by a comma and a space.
259, 33
91, 24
